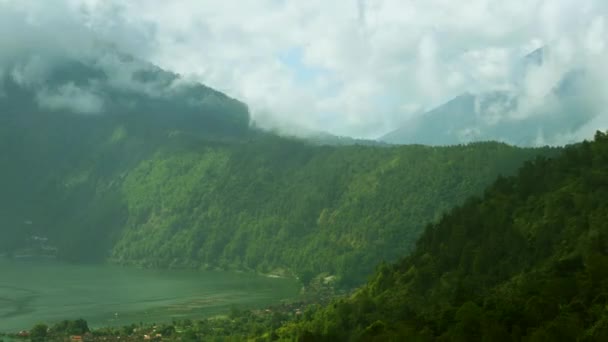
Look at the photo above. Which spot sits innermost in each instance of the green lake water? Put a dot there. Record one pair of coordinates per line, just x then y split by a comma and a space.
107, 295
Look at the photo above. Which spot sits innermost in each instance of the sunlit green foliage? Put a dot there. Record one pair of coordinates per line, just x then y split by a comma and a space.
527, 261
274, 203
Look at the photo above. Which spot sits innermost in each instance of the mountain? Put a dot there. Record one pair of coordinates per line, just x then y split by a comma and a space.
527, 261
432, 128
279, 204
70, 127
513, 116
323, 138
113, 159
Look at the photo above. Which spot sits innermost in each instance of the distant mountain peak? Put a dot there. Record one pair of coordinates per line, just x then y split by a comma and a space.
510, 116
537, 57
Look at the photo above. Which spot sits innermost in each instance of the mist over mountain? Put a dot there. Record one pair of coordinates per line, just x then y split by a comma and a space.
523, 115
367, 76
188, 137
79, 117
114, 84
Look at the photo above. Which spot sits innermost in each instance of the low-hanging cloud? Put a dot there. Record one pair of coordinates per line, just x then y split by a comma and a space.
569, 86
362, 67
69, 97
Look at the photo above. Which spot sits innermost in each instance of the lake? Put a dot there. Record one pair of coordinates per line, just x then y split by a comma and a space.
108, 295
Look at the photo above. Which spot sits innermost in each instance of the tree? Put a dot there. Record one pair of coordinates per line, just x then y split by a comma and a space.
39, 332
78, 327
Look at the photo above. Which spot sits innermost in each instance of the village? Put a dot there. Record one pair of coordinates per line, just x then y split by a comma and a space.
320, 292
34, 247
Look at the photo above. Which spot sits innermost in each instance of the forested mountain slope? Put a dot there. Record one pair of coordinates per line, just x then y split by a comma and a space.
274, 203
526, 262
166, 174
68, 134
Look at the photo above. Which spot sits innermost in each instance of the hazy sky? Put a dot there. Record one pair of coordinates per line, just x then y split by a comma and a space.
350, 67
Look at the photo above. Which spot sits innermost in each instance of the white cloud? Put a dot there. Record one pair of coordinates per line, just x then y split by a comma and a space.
31, 71
369, 63
69, 97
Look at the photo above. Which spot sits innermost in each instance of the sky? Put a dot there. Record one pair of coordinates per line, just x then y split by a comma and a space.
348, 67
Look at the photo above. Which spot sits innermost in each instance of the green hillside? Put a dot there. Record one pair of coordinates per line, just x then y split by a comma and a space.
528, 261
274, 204
59, 168
172, 199
172, 175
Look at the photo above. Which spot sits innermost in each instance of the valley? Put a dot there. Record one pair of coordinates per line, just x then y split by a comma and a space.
139, 204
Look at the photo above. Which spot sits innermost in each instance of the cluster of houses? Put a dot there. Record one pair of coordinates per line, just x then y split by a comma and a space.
36, 247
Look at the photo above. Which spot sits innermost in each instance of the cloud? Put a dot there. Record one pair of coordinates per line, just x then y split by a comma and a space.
350, 67
51, 30
132, 75
570, 85
71, 98
31, 72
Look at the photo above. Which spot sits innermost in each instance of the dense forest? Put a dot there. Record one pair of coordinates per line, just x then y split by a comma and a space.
275, 203
527, 261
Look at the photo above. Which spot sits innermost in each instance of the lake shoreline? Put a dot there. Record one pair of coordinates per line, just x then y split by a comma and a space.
114, 295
